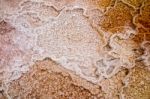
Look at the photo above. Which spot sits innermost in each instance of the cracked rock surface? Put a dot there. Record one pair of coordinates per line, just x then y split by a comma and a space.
78, 49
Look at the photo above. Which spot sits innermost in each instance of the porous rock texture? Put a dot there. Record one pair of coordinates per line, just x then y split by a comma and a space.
74, 49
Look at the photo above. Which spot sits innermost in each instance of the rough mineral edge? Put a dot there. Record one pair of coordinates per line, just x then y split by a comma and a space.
47, 46
64, 79
62, 59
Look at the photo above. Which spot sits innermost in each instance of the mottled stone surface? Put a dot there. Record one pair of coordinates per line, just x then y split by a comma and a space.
47, 80
137, 84
78, 49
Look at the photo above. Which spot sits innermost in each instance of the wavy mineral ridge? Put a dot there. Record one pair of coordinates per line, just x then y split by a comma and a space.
74, 49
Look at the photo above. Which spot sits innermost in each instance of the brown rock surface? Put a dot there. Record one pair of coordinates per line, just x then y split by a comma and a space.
143, 18
47, 80
137, 84
117, 17
112, 86
72, 33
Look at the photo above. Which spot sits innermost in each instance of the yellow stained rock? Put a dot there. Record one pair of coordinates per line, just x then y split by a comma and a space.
116, 18
134, 3
137, 84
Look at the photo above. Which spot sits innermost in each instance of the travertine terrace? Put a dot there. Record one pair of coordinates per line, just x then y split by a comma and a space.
74, 49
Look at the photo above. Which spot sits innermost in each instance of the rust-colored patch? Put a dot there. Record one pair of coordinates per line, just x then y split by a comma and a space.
144, 18
139, 38
116, 18
142, 30
144, 23
103, 3
147, 37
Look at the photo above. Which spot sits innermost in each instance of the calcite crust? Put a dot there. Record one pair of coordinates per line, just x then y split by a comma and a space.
78, 49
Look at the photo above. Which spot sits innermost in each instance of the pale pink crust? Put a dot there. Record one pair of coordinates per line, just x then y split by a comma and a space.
59, 4
12, 55
9, 6
8, 50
